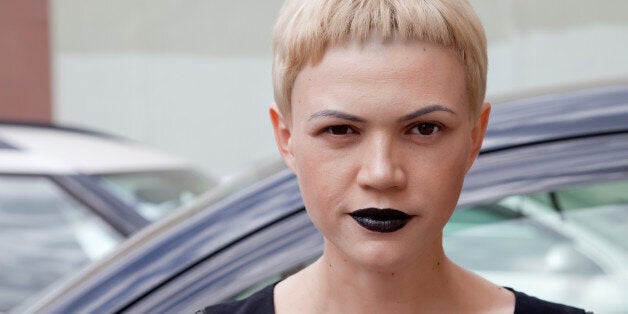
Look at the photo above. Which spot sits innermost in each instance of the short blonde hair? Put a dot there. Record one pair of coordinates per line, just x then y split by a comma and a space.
306, 28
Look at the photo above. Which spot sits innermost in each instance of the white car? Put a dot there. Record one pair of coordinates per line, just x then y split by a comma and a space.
69, 196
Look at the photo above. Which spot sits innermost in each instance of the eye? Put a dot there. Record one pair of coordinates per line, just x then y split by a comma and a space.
425, 128
339, 130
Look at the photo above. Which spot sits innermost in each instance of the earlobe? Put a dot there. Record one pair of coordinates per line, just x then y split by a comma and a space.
477, 133
282, 135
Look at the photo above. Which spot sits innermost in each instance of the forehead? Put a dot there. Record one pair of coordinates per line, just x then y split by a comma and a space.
390, 73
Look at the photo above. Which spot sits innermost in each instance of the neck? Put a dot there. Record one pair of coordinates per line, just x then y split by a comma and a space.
429, 283
403, 287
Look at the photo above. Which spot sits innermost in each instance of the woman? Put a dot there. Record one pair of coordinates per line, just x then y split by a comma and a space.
380, 113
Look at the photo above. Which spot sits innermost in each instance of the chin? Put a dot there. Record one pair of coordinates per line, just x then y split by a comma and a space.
383, 252
382, 257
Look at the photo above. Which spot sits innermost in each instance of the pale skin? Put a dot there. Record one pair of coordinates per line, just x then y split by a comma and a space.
385, 125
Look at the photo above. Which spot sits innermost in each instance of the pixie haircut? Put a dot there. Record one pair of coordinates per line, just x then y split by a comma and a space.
306, 28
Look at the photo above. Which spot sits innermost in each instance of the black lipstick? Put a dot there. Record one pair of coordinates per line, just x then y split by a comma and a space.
381, 220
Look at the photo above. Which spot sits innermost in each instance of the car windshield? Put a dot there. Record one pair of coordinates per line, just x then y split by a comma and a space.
156, 194
45, 235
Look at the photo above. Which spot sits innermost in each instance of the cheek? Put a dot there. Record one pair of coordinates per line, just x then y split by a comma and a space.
439, 175
454, 162
319, 192
322, 175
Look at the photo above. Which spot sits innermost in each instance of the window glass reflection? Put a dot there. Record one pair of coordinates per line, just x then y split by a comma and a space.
44, 235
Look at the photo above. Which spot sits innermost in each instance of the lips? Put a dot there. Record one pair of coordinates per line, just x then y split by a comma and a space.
381, 220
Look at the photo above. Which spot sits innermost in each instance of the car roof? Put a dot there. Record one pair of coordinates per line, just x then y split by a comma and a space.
49, 149
558, 116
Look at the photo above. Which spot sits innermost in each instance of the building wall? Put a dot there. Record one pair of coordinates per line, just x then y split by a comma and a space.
24, 61
193, 77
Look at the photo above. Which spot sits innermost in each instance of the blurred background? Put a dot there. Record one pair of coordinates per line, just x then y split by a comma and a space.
194, 77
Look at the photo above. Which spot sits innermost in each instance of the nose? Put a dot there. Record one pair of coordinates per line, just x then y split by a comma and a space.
381, 166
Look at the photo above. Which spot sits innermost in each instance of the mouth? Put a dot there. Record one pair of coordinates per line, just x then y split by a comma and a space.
381, 220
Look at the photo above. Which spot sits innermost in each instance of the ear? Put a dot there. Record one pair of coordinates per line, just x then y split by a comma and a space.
477, 133
282, 135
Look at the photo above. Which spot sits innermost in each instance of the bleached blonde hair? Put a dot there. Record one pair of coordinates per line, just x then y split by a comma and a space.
306, 28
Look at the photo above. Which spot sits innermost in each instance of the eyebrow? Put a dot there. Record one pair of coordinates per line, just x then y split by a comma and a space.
350, 117
335, 114
424, 111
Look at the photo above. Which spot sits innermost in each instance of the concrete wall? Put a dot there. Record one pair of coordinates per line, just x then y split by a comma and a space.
193, 76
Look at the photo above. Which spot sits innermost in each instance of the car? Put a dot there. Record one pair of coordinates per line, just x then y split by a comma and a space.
544, 210
68, 196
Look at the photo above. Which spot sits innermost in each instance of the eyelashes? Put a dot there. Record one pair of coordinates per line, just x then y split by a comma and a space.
421, 129
342, 129
426, 128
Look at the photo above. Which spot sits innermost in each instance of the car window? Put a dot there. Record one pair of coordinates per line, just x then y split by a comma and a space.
44, 235
156, 194
595, 195
599, 209
559, 232
516, 245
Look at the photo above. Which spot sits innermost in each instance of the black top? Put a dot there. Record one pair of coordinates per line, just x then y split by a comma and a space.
262, 302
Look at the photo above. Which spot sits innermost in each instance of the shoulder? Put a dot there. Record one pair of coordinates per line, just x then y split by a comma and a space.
262, 302
527, 304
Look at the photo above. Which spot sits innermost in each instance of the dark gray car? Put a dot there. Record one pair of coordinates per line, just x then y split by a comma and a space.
544, 210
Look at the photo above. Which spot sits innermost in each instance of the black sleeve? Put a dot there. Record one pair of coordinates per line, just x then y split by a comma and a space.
261, 302
525, 304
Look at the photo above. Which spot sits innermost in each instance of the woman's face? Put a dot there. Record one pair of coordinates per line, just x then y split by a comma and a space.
379, 127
